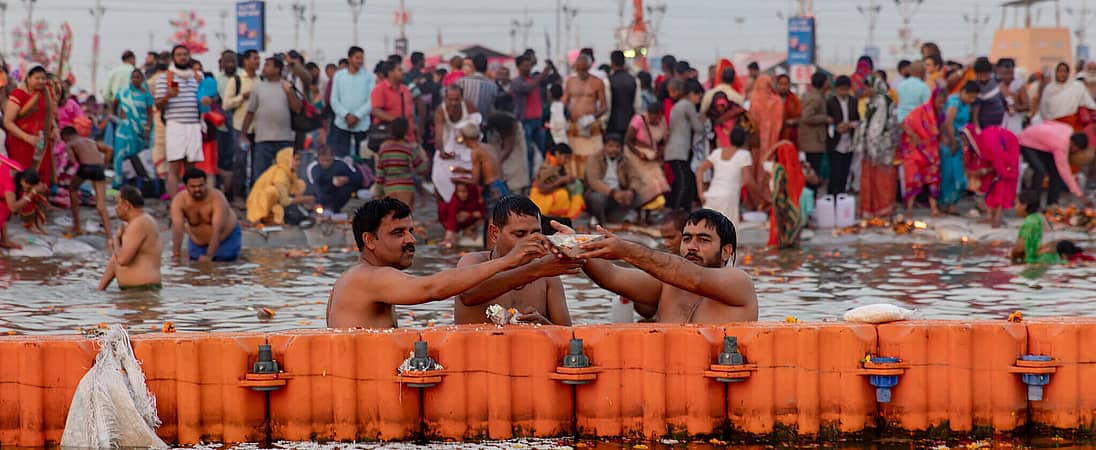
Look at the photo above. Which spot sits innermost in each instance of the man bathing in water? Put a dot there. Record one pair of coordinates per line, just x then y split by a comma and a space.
534, 289
584, 97
683, 293
206, 214
366, 294
137, 247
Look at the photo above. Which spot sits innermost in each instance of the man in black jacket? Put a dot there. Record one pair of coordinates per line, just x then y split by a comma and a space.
842, 109
332, 180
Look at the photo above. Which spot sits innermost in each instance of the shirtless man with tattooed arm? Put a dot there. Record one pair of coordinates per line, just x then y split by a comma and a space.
696, 287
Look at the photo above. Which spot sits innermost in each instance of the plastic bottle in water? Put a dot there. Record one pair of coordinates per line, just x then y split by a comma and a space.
621, 311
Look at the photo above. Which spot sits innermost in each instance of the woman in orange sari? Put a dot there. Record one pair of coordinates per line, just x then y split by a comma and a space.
25, 118
766, 116
793, 109
919, 150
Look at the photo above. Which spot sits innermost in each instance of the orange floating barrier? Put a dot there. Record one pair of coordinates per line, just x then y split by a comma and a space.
651, 381
1069, 398
497, 383
344, 387
958, 377
784, 381
806, 383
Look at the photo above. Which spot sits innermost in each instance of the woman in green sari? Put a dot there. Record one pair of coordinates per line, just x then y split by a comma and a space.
132, 114
1028, 247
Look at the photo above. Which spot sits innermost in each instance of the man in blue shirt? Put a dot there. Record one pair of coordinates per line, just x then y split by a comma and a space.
912, 92
350, 94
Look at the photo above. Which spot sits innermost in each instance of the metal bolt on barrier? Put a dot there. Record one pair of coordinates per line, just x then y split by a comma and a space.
265, 375
1035, 371
575, 358
883, 373
730, 366
576, 368
420, 370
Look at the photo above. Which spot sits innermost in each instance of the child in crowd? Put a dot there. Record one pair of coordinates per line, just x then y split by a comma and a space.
90, 156
34, 210
1029, 248
731, 171
399, 161
557, 115
556, 193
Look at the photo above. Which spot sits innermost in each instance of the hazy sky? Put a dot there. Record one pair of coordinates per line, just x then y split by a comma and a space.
697, 30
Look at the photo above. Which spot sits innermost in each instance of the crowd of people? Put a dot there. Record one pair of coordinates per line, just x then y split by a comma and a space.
600, 145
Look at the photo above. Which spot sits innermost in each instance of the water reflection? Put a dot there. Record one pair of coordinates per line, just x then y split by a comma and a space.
56, 295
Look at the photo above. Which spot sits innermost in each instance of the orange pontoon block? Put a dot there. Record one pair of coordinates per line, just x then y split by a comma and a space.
806, 383
1069, 401
651, 381
958, 377
37, 379
196, 380
344, 387
497, 383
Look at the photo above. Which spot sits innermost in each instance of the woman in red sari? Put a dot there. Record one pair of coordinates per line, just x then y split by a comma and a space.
785, 219
25, 119
919, 151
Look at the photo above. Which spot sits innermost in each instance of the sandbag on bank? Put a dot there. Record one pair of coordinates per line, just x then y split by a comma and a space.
112, 406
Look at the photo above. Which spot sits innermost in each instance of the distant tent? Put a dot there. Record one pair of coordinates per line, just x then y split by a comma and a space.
439, 56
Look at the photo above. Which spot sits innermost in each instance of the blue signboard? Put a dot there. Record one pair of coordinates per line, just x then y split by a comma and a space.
1082, 52
800, 40
250, 26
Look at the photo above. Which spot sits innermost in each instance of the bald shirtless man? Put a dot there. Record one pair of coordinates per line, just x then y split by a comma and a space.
365, 295
584, 97
534, 289
206, 214
696, 287
137, 247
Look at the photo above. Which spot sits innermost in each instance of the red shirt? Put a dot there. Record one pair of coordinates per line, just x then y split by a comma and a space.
534, 106
397, 103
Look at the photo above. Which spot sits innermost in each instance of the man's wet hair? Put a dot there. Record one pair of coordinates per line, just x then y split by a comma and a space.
677, 218
723, 226
518, 205
193, 173
132, 196
368, 217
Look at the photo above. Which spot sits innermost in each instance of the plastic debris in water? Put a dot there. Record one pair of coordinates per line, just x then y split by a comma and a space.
1016, 317
266, 314
791, 319
168, 328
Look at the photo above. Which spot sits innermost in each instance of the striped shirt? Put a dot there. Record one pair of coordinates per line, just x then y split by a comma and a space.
480, 91
398, 163
182, 108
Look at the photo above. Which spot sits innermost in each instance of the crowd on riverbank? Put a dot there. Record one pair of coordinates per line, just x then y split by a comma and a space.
604, 144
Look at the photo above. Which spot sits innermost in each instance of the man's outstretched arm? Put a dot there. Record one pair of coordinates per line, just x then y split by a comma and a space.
501, 283
399, 288
724, 284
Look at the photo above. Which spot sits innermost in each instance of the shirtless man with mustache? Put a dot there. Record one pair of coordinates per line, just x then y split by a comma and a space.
365, 296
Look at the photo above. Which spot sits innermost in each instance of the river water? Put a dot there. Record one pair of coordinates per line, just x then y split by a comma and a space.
819, 283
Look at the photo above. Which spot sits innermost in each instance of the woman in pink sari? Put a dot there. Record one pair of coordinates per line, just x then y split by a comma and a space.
68, 112
919, 151
993, 161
